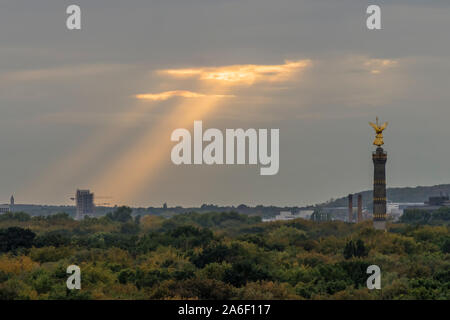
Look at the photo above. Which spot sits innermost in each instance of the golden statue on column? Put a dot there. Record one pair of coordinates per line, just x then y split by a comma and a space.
379, 132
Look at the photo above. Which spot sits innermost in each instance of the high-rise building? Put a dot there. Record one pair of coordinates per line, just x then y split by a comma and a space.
85, 204
379, 158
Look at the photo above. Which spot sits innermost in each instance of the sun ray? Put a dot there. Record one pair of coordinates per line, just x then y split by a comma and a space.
141, 163
138, 165
68, 166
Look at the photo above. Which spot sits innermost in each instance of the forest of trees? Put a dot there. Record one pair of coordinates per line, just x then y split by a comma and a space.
218, 256
440, 216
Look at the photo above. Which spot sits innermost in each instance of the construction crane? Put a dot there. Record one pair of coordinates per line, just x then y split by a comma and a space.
100, 197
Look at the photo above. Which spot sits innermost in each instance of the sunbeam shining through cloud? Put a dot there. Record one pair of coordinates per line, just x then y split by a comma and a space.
145, 158
176, 93
242, 74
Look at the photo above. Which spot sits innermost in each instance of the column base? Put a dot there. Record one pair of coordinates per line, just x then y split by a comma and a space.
379, 225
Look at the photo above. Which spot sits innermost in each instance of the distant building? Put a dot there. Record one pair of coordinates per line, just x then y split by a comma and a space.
7, 207
321, 215
4, 208
284, 215
334, 213
433, 203
440, 201
85, 204
304, 214
287, 215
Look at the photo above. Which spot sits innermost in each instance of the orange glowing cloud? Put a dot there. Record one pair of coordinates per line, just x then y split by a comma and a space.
376, 66
176, 93
242, 74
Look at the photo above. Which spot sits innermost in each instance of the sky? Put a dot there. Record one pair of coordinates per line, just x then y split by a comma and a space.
94, 108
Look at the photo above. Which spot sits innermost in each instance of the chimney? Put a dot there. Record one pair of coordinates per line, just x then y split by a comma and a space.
350, 208
359, 208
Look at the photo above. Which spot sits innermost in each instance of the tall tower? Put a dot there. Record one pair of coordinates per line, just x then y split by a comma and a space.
350, 208
359, 208
379, 158
11, 204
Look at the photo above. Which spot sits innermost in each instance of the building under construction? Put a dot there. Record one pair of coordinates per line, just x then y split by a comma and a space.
85, 204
